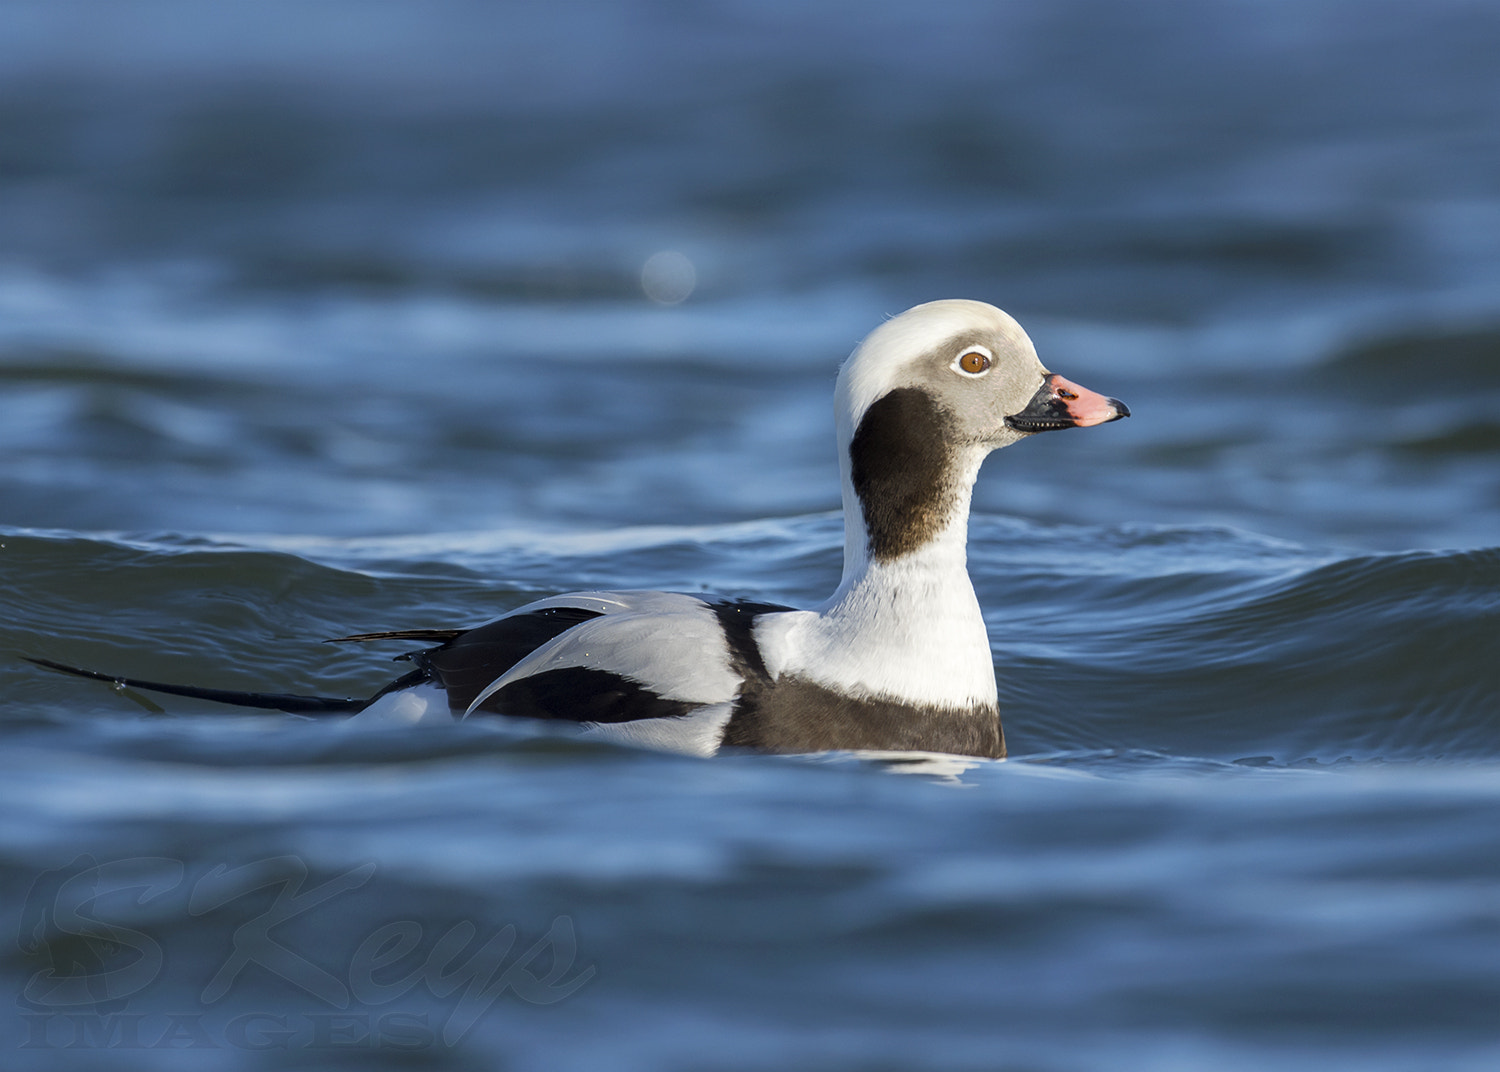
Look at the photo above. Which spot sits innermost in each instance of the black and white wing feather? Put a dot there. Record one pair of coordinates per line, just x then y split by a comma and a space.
638, 655
652, 668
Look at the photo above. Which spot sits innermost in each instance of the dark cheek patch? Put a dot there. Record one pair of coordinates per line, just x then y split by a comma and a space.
901, 466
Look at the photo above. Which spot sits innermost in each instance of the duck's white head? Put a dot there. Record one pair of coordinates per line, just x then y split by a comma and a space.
920, 403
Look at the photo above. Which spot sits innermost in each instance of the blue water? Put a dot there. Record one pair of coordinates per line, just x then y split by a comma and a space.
319, 319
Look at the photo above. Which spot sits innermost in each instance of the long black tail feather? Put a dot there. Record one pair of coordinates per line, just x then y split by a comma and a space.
267, 701
438, 636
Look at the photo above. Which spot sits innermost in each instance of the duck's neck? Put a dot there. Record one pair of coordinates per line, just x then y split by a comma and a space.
940, 551
927, 583
908, 626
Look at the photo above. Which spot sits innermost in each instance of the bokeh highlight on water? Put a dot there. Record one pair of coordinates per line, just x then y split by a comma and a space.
326, 318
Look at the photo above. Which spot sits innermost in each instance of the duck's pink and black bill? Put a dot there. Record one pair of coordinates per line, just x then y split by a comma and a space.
1061, 403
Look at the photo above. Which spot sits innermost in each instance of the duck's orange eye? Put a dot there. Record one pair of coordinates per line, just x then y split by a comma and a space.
974, 362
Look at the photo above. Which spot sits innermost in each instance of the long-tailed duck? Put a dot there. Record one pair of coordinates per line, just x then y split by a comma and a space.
896, 659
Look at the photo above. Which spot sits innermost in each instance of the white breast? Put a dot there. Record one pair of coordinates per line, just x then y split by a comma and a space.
896, 632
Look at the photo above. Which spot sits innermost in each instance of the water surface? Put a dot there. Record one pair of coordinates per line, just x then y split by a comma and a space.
325, 320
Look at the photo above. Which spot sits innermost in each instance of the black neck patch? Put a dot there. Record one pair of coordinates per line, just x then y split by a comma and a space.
901, 463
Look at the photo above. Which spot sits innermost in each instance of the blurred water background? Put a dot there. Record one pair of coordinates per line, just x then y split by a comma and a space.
321, 318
